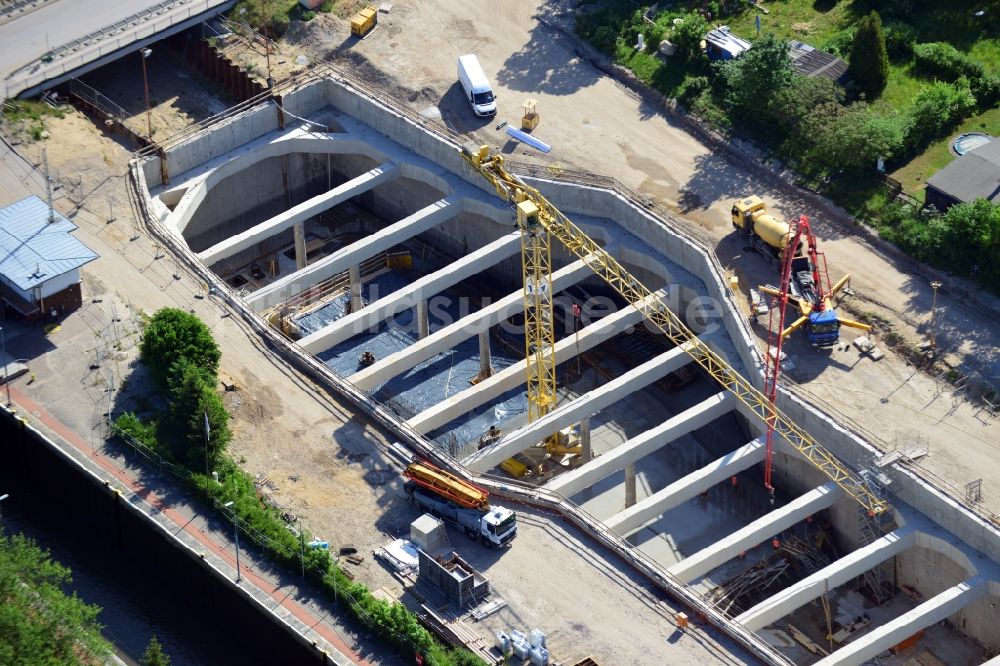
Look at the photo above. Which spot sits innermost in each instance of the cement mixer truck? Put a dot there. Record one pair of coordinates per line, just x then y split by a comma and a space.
767, 234
460, 503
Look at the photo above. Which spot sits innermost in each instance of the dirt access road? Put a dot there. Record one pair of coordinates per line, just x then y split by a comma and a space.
597, 124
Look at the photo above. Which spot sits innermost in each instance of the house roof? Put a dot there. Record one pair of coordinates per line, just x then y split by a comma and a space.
972, 176
810, 61
33, 250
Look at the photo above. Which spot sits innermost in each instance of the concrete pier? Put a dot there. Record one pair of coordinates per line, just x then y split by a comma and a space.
571, 412
338, 262
301, 260
694, 567
684, 489
354, 286
423, 324
513, 375
485, 358
299, 214
411, 296
689, 420
453, 334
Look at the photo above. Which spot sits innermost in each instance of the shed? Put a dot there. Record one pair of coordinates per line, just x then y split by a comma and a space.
975, 175
810, 61
40, 259
722, 44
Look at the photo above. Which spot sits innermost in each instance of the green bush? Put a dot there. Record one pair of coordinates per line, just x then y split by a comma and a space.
144, 433
172, 335
692, 88
960, 241
900, 39
944, 61
840, 44
936, 109
687, 36
986, 90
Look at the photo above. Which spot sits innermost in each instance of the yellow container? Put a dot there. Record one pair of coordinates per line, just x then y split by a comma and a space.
364, 21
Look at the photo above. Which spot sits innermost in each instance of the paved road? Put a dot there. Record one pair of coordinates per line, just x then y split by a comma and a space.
25, 39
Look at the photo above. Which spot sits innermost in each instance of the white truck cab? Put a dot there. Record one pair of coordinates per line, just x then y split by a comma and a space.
476, 86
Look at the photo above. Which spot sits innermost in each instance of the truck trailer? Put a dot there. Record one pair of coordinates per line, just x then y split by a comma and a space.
461, 504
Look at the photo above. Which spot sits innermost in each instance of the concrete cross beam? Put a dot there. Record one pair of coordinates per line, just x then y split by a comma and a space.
571, 412
426, 218
359, 321
639, 447
892, 633
514, 375
300, 213
453, 334
684, 489
695, 566
829, 577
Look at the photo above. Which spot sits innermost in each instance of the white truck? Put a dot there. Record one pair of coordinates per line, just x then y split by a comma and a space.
461, 504
476, 86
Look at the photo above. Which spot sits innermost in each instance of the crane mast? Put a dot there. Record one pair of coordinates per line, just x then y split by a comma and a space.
513, 190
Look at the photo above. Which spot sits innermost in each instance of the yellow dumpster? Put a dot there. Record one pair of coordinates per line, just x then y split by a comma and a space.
364, 21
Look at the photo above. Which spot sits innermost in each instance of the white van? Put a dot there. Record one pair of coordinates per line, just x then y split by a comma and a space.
476, 86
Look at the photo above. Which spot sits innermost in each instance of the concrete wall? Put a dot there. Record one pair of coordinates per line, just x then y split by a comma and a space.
234, 131
231, 207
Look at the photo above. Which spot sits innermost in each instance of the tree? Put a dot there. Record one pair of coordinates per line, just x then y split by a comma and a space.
852, 138
39, 623
192, 395
687, 35
802, 97
174, 334
755, 80
869, 61
154, 654
937, 108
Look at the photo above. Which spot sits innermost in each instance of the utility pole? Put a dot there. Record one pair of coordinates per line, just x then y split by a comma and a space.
48, 185
934, 285
267, 44
236, 531
208, 431
6, 377
145, 53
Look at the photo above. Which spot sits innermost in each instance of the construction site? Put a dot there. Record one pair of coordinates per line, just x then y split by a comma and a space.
546, 348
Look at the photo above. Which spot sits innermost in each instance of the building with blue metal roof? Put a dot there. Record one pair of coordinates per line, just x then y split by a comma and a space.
40, 259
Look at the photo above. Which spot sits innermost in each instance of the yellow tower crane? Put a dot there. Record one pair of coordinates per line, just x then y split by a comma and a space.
539, 222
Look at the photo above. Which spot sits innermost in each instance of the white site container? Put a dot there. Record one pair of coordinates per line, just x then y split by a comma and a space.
539, 656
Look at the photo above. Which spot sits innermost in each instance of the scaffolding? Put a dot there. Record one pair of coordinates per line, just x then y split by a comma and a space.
876, 583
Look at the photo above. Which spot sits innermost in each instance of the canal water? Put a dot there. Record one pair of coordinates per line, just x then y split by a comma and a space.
144, 585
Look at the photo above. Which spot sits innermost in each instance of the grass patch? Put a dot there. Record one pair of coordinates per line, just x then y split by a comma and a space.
938, 155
